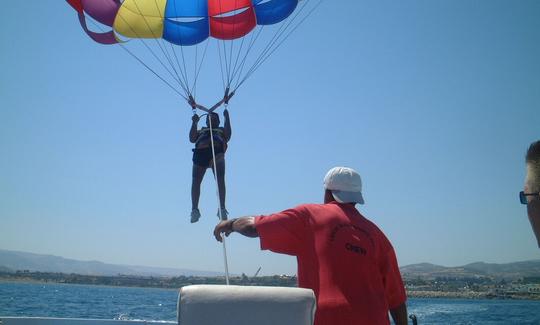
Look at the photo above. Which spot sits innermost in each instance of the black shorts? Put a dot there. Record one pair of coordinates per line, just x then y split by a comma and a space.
203, 156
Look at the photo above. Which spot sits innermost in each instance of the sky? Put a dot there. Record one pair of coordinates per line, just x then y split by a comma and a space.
433, 102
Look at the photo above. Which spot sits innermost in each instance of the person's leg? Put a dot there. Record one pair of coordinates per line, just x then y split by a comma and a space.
220, 166
198, 174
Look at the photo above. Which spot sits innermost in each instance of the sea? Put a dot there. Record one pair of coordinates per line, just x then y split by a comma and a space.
104, 302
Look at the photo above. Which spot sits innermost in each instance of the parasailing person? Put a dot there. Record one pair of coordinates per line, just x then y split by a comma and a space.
170, 38
209, 152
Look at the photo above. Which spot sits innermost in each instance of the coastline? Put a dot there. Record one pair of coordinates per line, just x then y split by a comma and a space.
175, 283
470, 295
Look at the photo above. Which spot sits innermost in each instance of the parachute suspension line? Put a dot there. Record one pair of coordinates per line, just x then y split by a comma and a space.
288, 33
254, 37
267, 53
193, 90
200, 66
155, 56
186, 79
245, 58
225, 60
264, 51
142, 63
221, 60
183, 62
225, 259
225, 85
269, 44
221, 65
161, 44
150, 69
229, 72
182, 72
156, 38
237, 57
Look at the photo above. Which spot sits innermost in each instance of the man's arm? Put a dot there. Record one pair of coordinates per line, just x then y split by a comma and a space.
227, 126
193, 131
244, 226
399, 314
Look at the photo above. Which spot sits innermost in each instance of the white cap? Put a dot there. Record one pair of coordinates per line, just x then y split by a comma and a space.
345, 184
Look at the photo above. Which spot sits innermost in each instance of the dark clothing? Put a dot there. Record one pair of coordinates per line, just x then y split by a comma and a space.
203, 136
203, 156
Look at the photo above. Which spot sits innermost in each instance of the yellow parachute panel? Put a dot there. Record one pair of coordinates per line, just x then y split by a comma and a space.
140, 19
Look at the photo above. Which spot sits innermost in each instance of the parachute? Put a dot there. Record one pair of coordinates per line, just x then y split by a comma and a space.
176, 34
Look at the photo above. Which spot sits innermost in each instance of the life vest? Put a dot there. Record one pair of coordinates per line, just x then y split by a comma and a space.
219, 137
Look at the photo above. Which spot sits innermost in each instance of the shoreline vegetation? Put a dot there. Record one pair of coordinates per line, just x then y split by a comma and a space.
429, 289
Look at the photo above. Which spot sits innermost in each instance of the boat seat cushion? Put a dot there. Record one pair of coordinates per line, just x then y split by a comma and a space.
245, 305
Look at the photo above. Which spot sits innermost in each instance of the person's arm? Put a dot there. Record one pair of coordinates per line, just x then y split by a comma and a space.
283, 232
244, 226
227, 132
399, 314
193, 131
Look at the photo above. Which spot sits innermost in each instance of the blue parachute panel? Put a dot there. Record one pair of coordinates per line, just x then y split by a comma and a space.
273, 11
186, 33
185, 8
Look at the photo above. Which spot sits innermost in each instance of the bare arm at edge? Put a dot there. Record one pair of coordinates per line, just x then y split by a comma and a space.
193, 131
244, 226
227, 126
399, 314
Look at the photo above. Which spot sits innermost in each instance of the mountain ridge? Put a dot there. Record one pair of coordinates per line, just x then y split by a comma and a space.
507, 271
11, 261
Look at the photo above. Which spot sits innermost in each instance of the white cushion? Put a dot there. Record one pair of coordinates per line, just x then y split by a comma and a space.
245, 305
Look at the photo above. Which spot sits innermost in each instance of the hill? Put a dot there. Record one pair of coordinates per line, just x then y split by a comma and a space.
13, 260
507, 271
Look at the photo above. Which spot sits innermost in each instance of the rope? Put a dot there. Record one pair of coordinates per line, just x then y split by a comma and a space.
156, 38
225, 259
142, 62
277, 38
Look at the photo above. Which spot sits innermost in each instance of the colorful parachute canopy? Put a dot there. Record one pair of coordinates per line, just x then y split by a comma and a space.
182, 22
187, 23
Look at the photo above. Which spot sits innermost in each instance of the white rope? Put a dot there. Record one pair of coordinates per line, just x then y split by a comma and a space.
225, 260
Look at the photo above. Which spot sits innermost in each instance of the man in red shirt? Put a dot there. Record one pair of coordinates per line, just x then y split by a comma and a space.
347, 261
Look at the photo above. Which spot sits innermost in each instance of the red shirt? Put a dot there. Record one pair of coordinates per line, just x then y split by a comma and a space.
345, 258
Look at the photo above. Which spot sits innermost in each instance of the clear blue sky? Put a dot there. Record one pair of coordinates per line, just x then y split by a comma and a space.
433, 102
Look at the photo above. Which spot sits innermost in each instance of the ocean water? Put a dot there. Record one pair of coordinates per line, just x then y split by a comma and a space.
84, 301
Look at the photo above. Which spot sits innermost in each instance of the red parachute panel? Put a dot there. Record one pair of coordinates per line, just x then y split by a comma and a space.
232, 27
76, 4
218, 7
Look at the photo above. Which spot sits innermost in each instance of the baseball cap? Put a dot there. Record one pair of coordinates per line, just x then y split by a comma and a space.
345, 184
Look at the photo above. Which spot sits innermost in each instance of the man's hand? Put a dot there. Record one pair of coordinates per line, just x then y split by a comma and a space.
195, 118
226, 113
243, 225
225, 227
